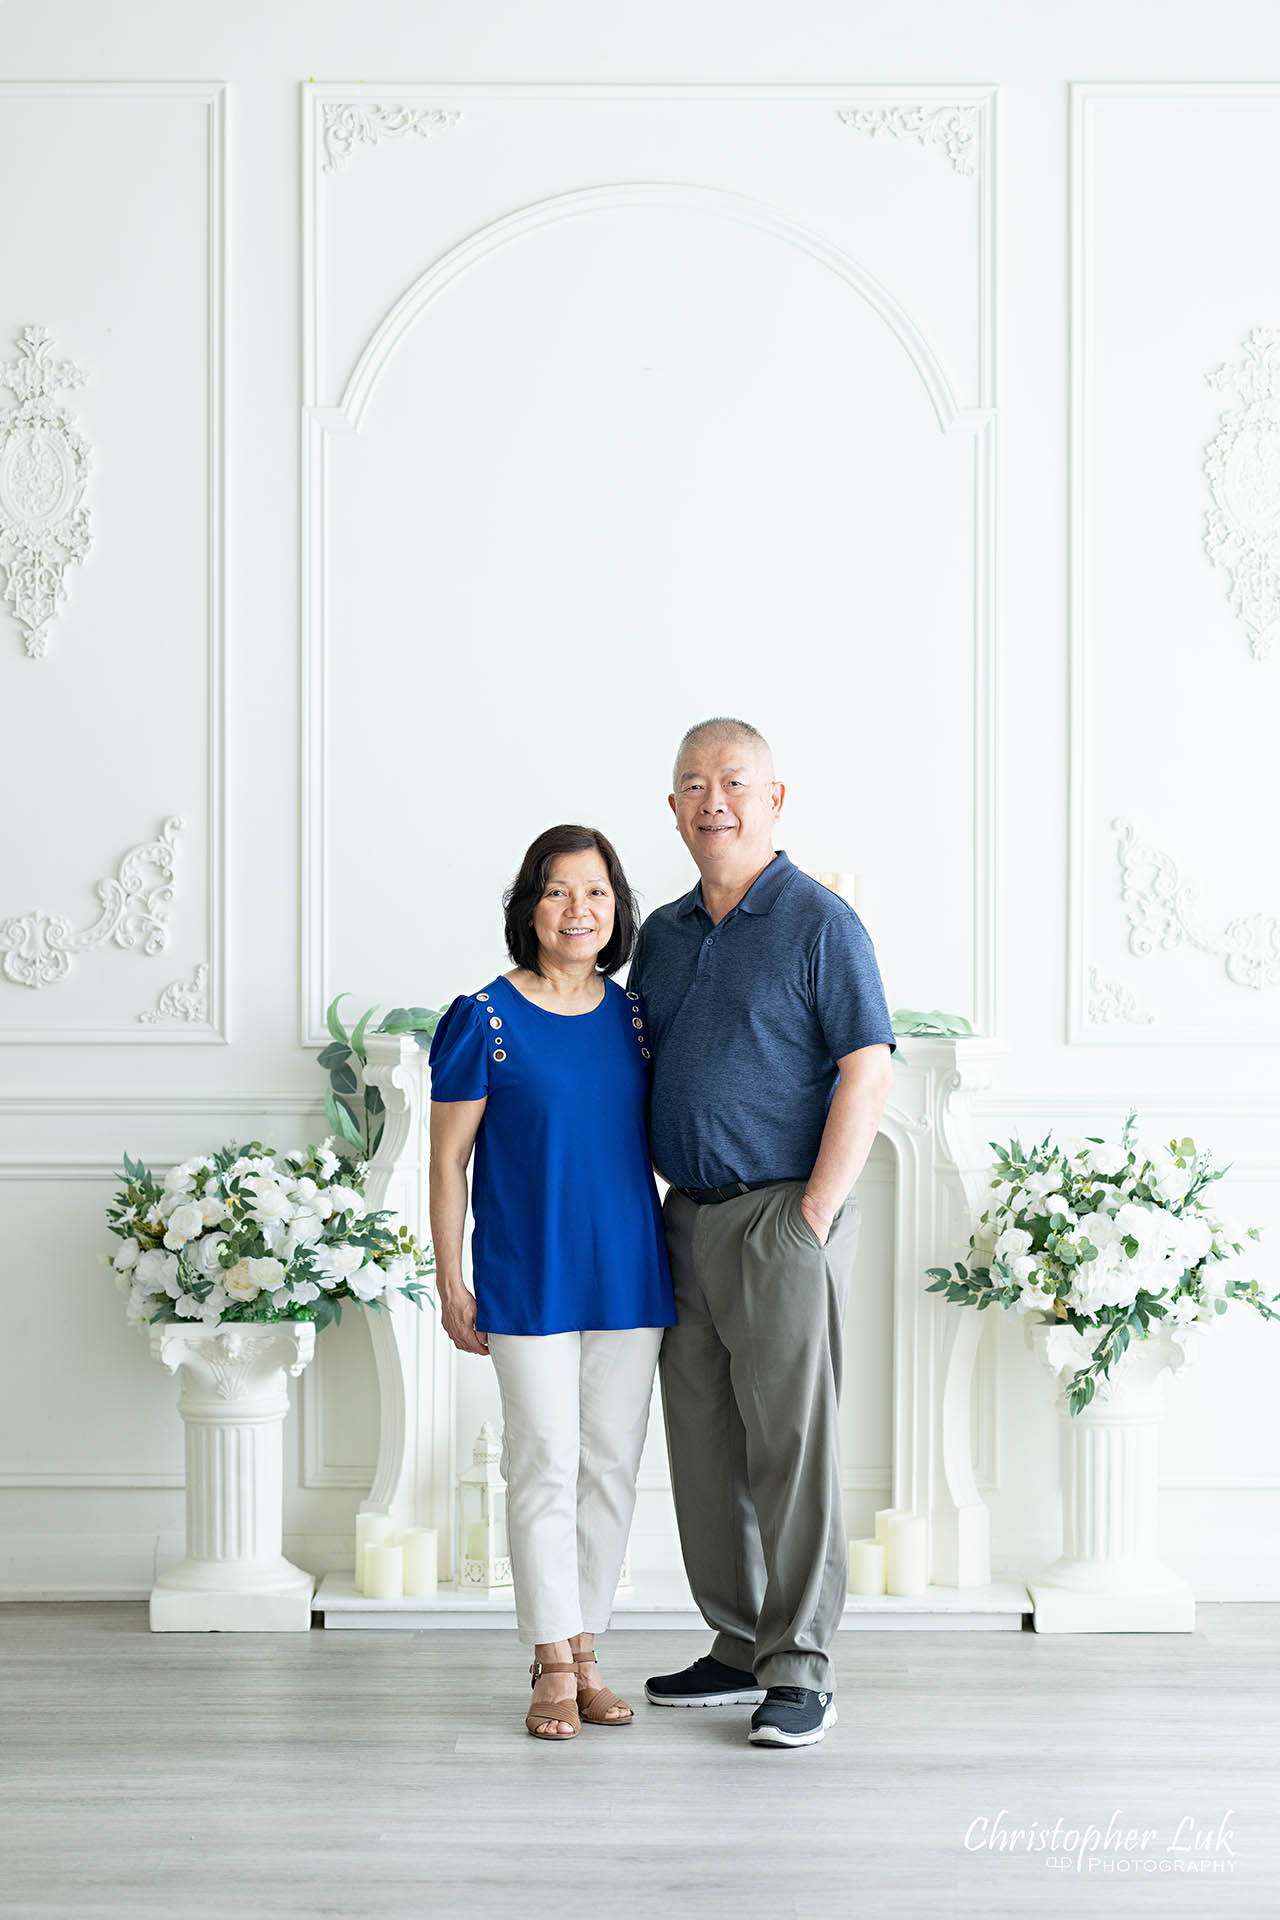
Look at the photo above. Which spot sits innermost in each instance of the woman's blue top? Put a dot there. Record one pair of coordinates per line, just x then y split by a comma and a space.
568, 1230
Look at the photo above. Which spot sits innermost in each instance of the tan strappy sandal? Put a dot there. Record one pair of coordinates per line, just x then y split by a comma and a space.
595, 1706
566, 1710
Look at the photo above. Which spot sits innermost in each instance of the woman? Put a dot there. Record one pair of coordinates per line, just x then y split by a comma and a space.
545, 1073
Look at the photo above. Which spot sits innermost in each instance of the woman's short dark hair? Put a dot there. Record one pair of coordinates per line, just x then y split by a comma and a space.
525, 891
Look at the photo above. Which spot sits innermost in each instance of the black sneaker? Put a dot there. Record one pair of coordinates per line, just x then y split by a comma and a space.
707, 1683
792, 1717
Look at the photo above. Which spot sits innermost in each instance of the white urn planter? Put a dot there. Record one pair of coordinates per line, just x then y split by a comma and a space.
233, 1399
1108, 1578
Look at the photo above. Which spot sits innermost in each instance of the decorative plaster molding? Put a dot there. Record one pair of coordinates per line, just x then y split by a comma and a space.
38, 946
44, 466
1110, 1002
1161, 911
346, 126
953, 129
183, 1000
1242, 528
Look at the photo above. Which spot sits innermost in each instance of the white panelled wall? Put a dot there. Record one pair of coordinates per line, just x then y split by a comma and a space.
470, 401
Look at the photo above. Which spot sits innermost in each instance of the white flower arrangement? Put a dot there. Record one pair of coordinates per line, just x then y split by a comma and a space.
1108, 1240
245, 1234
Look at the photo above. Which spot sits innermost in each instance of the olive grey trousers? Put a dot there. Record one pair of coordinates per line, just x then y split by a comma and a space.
750, 1396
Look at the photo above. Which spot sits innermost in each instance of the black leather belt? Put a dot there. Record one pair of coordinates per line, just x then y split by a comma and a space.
710, 1196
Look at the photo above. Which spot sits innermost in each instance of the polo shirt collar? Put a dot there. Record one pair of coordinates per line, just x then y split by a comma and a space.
760, 897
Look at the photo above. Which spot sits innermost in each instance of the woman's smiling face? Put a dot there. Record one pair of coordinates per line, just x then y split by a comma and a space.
574, 917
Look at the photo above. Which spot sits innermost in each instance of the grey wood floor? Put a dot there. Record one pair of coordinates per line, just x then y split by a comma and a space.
371, 1774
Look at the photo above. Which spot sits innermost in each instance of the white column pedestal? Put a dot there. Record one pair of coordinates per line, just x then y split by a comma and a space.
1109, 1578
233, 1399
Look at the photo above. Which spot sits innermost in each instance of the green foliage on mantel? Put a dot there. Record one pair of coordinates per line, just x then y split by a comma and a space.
356, 1109
910, 1023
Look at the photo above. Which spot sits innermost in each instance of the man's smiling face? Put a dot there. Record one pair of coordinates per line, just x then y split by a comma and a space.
725, 803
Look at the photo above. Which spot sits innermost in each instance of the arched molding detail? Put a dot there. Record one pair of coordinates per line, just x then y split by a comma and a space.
715, 202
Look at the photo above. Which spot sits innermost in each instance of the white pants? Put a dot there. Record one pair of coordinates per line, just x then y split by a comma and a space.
575, 1407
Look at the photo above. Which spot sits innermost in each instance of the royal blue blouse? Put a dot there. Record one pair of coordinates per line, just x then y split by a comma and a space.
568, 1230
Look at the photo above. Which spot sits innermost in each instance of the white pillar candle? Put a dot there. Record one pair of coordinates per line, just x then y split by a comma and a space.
477, 1540
383, 1571
866, 1567
885, 1515
370, 1527
908, 1557
421, 1558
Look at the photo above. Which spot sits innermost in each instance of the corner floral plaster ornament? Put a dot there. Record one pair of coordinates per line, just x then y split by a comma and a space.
182, 999
1161, 910
347, 126
952, 129
1242, 528
44, 464
37, 947
1110, 1001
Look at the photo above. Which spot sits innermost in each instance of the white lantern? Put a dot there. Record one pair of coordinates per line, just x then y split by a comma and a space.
484, 1558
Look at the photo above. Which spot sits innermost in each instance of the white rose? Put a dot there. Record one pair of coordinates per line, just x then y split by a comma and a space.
304, 1292
340, 1260
399, 1269
213, 1207
1135, 1221
306, 1229
368, 1282
155, 1269
1170, 1180
328, 1163
178, 1180
1034, 1300
1106, 1159
240, 1283
266, 1272
128, 1253
270, 1202
204, 1254
1013, 1242
185, 1222
346, 1199
1022, 1266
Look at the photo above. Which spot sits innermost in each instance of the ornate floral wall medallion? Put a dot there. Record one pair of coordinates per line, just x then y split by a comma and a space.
44, 464
345, 127
1242, 528
951, 129
182, 999
1161, 912
38, 947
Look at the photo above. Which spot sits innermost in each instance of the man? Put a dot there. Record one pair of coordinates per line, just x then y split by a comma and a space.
772, 1042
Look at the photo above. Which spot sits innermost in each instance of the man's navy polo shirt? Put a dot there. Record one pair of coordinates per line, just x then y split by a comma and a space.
747, 1020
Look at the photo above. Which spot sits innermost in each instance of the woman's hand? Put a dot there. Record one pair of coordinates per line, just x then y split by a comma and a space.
458, 1318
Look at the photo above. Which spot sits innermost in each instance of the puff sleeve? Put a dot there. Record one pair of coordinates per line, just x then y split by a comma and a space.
459, 1055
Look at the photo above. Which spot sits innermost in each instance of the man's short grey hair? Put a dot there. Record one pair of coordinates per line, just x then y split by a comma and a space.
720, 726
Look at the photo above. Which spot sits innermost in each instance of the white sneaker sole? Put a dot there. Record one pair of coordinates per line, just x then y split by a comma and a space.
775, 1737
750, 1697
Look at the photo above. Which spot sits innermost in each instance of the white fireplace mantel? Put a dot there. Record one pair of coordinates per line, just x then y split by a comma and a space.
940, 1169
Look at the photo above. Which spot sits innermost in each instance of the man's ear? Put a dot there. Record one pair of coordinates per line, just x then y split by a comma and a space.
777, 797
671, 801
